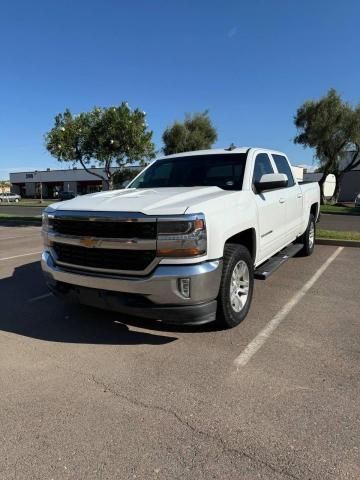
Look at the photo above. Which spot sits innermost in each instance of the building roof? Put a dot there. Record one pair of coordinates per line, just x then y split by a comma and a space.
312, 176
95, 169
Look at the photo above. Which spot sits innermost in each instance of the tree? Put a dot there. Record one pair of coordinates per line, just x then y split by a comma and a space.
120, 136
4, 185
195, 133
113, 136
124, 175
331, 127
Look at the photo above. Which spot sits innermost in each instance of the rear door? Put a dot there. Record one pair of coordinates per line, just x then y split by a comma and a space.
270, 210
292, 196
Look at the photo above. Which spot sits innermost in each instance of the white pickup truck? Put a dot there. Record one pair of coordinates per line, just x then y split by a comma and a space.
185, 240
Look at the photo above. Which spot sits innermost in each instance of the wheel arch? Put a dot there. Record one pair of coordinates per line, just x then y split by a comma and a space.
247, 238
314, 209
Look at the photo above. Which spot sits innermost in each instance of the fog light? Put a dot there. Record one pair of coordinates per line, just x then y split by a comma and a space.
184, 287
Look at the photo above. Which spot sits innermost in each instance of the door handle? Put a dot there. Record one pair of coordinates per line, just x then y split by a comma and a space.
299, 195
281, 200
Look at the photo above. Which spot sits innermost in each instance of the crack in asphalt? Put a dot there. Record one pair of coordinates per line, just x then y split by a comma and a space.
218, 439
195, 430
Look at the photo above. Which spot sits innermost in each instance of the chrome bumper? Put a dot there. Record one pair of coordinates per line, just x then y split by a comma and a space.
160, 287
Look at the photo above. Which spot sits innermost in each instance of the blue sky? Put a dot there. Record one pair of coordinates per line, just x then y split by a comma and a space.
250, 63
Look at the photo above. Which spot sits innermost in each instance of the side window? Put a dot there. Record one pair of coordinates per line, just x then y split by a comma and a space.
262, 166
283, 167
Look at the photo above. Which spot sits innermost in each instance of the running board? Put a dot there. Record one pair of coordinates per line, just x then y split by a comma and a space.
270, 266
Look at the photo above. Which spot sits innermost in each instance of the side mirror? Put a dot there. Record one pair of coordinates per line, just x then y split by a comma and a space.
270, 181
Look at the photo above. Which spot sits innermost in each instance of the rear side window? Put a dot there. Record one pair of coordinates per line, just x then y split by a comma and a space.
262, 166
283, 167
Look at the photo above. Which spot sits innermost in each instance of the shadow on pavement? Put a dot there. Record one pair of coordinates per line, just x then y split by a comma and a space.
51, 320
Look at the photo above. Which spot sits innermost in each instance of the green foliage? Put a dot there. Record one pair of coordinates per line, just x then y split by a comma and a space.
195, 133
331, 127
338, 235
113, 136
120, 135
4, 184
68, 139
124, 175
325, 126
340, 210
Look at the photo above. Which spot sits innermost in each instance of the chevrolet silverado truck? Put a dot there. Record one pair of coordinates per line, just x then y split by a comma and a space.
185, 240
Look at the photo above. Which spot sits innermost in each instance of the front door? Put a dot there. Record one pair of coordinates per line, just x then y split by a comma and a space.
270, 211
292, 195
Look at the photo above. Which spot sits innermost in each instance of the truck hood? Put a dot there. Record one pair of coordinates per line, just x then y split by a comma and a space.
157, 201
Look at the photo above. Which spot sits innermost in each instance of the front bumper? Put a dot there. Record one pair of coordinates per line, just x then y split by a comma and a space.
154, 296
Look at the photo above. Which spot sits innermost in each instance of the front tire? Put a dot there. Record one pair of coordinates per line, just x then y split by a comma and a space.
236, 288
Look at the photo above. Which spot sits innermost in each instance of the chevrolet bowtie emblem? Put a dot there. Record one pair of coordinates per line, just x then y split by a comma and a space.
88, 242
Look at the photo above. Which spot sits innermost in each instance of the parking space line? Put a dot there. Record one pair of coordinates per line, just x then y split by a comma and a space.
265, 333
18, 256
20, 237
40, 297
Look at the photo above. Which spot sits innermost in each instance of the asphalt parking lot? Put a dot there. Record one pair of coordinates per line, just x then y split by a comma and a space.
87, 394
347, 223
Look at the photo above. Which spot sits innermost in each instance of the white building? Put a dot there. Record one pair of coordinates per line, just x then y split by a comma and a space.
298, 172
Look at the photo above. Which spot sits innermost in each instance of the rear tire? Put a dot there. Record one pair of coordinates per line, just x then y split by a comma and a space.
236, 288
308, 238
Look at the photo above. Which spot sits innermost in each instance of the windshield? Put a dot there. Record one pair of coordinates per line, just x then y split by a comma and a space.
225, 171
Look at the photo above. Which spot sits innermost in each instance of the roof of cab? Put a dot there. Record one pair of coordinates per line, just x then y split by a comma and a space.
215, 151
211, 151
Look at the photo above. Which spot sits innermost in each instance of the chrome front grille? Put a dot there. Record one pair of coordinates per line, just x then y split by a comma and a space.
109, 242
101, 258
105, 229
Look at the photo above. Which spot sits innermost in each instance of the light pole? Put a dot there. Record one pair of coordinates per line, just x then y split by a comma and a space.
41, 187
41, 191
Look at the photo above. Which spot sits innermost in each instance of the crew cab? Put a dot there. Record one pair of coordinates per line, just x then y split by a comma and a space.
186, 238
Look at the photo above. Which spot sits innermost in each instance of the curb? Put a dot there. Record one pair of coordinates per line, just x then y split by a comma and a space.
337, 242
341, 213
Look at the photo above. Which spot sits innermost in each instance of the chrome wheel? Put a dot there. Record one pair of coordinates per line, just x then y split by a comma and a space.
311, 235
239, 286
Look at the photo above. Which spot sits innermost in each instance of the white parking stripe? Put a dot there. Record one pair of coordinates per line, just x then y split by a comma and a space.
261, 338
40, 297
18, 256
22, 237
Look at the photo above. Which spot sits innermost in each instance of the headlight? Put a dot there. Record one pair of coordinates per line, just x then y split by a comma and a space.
45, 221
183, 236
47, 218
